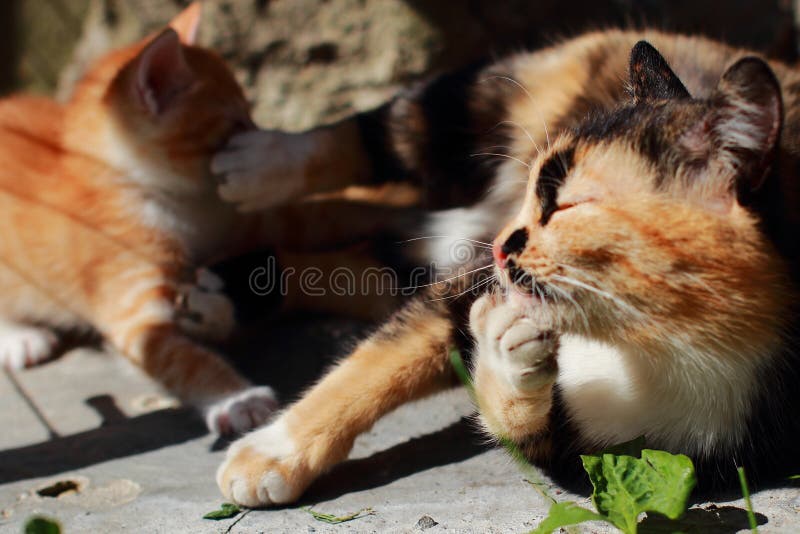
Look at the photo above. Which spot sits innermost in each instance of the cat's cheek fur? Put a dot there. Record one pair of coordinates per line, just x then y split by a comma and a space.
262, 468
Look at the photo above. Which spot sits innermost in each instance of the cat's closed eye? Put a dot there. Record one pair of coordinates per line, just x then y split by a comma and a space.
569, 204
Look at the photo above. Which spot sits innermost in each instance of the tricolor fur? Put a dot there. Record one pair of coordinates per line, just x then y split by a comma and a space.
643, 212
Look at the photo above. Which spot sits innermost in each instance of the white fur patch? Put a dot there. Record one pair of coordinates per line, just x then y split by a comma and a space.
680, 400
274, 444
241, 411
450, 235
24, 346
514, 345
264, 168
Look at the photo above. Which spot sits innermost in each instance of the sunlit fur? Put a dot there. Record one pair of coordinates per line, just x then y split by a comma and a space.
108, 207
690, 300
673, 293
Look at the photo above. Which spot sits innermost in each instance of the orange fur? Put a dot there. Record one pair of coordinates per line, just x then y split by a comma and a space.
87, 193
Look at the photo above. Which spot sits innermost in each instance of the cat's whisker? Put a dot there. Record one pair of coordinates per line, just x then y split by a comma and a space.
599, 292
484, 243
501, 155
438, 282
530, 97
527, 133
478, 285
565, 294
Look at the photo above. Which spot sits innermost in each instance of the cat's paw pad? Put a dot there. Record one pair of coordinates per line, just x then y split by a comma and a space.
261, 169
25, 346
263, 468
518, 344
242, 411
203, 311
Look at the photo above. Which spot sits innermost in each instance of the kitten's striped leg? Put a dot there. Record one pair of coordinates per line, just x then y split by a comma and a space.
141, 322
515, 367
405, 360
24, 346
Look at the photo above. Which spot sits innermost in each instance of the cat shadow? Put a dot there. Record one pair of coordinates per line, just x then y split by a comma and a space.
118, 436
455, 443
711, 519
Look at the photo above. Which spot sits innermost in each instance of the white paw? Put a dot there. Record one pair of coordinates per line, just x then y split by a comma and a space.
203, 311
25, 346
261, 169
516, 342
264, 468
241, 411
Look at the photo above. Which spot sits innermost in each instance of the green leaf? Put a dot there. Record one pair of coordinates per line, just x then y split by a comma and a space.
334, 519
625, 486
794, 477
564, 514
226, 511
461, 369
42, 525
751, 516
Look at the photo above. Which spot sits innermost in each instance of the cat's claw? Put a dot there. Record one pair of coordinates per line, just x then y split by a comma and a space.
516, 342
261, 169
264, 468
25, 346
241, 411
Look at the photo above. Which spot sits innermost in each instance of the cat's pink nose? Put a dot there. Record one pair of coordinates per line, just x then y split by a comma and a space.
500, 257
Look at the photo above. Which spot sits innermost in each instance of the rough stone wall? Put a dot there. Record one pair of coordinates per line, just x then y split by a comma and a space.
305, 62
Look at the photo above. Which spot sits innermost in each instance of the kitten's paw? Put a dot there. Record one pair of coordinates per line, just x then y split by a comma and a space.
518, 344
203, 311
241, 411
261, 169
25, 346
264, 468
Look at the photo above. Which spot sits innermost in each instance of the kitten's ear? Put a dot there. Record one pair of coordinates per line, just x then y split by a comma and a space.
651, 77
740, 134
187, 22
161, 72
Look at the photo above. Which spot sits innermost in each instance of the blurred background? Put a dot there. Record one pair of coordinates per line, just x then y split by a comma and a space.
306, 62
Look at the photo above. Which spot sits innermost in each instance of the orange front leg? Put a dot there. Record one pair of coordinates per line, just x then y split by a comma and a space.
405, 360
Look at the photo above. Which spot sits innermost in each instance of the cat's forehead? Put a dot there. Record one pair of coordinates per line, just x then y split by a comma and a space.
632, 140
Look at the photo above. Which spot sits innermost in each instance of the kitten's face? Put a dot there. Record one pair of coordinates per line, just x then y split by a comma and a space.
633, 230
172, 104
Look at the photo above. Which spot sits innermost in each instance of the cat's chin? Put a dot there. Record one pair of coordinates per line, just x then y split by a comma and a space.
529, 299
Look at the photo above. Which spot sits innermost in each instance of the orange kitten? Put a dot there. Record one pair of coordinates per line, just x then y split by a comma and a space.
108, 206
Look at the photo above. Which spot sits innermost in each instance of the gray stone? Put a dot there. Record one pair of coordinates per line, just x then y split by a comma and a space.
425, 522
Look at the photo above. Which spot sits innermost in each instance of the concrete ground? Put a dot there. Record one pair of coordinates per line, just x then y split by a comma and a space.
91, 442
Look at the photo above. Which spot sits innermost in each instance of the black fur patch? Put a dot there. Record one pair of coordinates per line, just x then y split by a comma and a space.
551, 178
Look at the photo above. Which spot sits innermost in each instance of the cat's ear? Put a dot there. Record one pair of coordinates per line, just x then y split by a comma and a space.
161, 72
740, 133
187, 22
651, 78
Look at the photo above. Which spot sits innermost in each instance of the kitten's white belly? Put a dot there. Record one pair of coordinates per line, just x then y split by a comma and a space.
686, 403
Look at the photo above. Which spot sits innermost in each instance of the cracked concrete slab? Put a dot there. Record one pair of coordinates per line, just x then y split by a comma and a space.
125, 459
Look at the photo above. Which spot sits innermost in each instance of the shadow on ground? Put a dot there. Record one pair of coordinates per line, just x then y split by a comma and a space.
455, 443
110, 441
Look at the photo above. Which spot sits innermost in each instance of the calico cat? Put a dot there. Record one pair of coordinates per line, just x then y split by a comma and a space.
644, 246
107, 208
